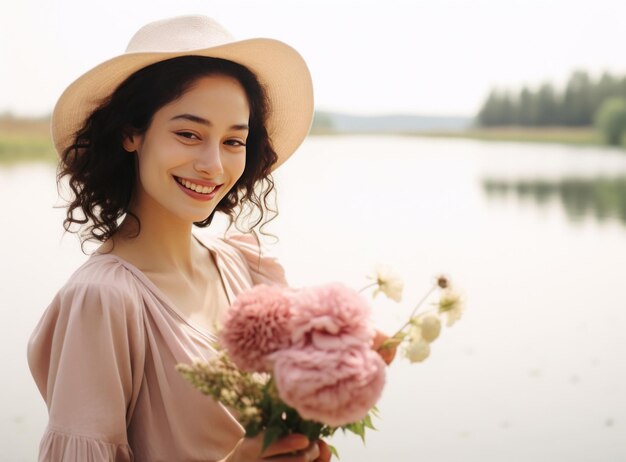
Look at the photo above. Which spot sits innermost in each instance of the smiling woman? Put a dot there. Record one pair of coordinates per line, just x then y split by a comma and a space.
187, 123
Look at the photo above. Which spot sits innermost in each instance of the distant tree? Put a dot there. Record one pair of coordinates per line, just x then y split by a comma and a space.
487, 116
607, 87
547, 106
498, 110
527, 109
622, 87
575, 105
577, 108
507, 109
611, 120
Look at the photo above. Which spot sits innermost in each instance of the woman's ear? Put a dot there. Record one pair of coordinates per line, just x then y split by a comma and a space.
131, 142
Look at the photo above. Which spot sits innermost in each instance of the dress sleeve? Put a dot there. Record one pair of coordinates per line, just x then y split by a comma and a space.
264, 268
86, 356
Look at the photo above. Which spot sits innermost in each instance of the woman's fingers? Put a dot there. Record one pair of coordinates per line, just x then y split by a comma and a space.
387, 353
289, 443
325, 454
312, 453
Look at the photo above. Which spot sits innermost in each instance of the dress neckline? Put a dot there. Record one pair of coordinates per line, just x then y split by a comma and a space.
164, 298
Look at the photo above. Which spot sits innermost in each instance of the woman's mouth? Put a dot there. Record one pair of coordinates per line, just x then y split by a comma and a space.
196, 187
197, 191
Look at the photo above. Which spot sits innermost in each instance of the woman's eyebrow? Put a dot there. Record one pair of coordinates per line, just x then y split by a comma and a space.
200, 120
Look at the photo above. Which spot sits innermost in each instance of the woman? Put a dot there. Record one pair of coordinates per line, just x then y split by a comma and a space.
186, 123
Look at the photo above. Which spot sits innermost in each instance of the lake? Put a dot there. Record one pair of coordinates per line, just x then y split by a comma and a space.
533, 234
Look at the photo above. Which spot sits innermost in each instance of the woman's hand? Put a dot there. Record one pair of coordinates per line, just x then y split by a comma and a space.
325, 453
292, 448
387, 353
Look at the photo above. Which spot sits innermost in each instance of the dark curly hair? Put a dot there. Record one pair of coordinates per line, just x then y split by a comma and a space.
102, 175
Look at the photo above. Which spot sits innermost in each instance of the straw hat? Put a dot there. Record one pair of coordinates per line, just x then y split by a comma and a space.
280, 69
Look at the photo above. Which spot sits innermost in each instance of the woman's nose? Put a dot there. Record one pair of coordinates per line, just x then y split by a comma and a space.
209, 161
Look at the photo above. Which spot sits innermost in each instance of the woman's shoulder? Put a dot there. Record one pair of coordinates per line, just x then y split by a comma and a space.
243, 251
103, 282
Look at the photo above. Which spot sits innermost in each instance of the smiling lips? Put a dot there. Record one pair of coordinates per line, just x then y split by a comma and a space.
200, 190
205, 188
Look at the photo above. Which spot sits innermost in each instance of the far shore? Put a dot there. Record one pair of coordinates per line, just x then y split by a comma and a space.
561, 135
23, 140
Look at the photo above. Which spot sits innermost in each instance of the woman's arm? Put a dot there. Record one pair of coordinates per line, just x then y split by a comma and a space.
86, 356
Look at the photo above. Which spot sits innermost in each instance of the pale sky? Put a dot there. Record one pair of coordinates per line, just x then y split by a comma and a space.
422, 57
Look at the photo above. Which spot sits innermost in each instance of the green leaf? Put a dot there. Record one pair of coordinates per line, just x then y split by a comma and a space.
253, 430
277, 411
310, 429
368, 422
272, 434
333, 450
358, 428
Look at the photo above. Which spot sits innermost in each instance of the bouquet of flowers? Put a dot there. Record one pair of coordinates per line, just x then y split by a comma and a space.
309, 360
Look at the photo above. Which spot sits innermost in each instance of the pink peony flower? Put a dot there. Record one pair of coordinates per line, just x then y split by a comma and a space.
256, 325
335, 387
330, 317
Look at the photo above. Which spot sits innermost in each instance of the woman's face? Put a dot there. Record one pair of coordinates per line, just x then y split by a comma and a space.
194, 150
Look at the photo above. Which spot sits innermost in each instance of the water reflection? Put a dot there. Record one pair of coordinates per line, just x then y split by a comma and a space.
602, 198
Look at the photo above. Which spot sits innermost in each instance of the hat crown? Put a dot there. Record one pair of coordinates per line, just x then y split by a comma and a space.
182, 33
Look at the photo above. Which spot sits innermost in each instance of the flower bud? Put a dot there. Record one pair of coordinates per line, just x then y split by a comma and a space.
431, 327
415, 331
417, 351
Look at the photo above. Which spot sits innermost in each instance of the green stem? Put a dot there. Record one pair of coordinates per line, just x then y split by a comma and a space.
368, 286
399, 331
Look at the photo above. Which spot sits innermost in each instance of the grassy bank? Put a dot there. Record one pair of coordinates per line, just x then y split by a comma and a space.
586, 136
16, 149
561, 135
25, 140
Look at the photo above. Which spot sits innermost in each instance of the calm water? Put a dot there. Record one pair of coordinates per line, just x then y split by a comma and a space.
535, 235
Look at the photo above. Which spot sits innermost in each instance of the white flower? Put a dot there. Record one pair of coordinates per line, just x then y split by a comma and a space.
228, 395
431, 327
417, 350
389, 283
415, 330
451, 303
250, 412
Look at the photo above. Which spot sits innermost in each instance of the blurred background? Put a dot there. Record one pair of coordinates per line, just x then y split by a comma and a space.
483, 139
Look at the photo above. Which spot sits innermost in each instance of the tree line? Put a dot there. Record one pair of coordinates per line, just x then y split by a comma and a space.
576, 105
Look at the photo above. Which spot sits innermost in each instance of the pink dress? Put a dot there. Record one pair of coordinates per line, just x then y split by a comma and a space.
103, 357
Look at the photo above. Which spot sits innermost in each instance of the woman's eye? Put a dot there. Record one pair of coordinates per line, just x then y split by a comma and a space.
188, 135
235, 143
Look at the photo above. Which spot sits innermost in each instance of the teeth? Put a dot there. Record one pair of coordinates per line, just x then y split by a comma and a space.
194, 187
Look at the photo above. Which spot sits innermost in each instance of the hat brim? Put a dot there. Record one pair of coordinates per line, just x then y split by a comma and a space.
280, 69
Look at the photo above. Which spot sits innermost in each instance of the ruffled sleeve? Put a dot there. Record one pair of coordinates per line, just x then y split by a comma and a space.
87, 358
264, 268
57, 446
